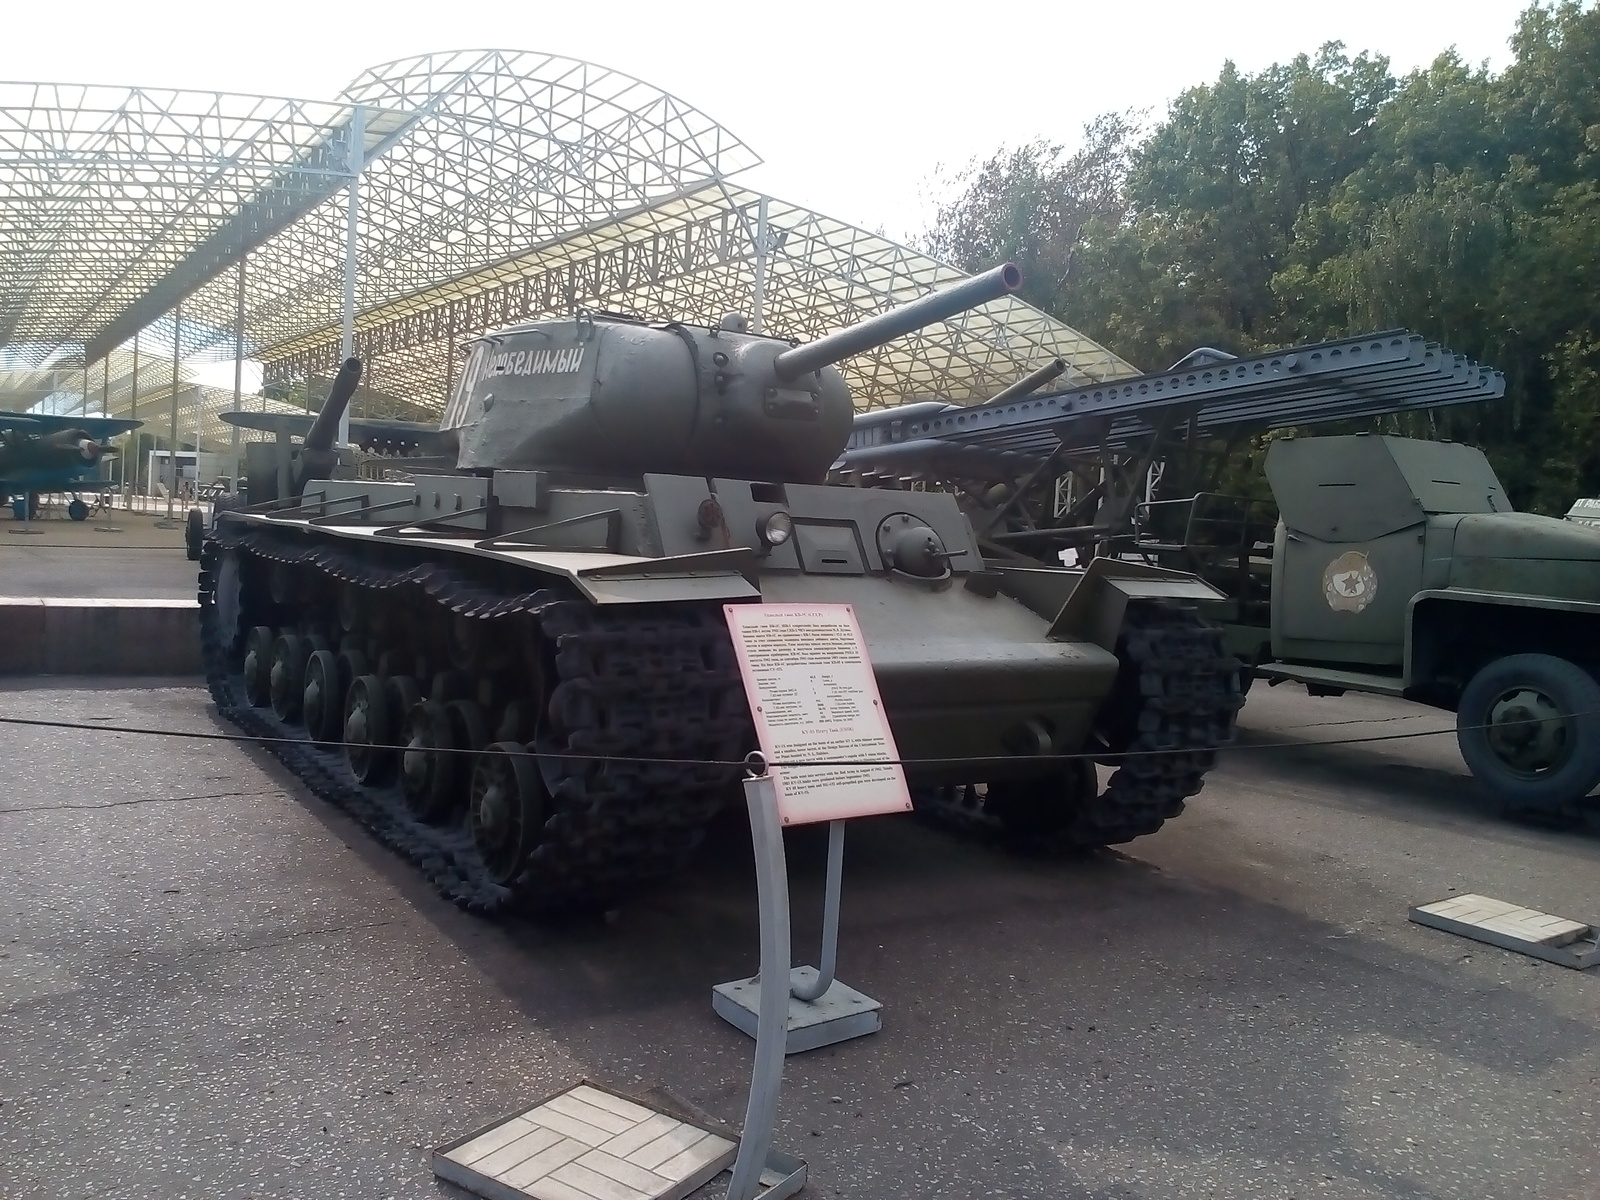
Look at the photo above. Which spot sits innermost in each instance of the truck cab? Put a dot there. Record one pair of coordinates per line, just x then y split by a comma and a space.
1399, 566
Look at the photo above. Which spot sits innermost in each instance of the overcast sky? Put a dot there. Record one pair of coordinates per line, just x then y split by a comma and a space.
853, 106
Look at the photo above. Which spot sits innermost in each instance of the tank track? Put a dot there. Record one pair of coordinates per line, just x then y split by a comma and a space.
656, 683
1174, 702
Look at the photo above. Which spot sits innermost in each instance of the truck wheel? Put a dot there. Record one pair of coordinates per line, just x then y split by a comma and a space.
1529, 728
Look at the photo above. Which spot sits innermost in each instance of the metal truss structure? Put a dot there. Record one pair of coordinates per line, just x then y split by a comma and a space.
118, 202
436, 198
1100, 466
697, 256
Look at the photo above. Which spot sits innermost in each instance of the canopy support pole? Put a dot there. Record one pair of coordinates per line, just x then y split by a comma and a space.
347, 336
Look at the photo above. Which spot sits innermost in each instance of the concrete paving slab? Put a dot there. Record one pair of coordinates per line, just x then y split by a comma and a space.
213, 986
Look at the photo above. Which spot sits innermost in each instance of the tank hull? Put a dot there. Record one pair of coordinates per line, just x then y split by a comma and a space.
547, 673
963, 677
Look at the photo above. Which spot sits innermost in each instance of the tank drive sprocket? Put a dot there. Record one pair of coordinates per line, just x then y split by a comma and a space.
618, 686
1174, 703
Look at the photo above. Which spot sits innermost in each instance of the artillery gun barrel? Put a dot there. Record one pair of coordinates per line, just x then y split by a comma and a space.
1029, 383
319, 438
885, 327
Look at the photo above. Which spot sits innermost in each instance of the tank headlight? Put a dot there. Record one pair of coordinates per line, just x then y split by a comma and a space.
776, 529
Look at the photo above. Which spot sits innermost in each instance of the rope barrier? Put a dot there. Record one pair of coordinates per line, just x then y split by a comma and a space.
1009, 760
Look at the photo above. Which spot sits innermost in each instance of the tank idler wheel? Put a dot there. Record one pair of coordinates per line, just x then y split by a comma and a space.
507, 808
322, 700
258, 666
430, 768
368, 730
288, 683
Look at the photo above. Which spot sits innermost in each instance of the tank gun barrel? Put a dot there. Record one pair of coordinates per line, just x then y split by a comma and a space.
1029, 383
885, 327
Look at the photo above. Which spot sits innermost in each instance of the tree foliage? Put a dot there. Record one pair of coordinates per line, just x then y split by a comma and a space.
1327, 197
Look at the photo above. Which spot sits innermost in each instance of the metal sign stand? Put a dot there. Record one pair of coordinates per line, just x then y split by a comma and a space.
817, 712
757, 1172
821, 1010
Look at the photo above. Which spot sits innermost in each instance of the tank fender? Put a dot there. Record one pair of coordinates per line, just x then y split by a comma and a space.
712, 575
1096, 607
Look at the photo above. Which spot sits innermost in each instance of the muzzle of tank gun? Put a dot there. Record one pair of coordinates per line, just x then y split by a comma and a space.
897, 322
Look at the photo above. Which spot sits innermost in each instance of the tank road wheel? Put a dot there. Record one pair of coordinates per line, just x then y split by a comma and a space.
368, 731
507, 808
1529, 728
430, 767
322, 700
288, 679
258, 666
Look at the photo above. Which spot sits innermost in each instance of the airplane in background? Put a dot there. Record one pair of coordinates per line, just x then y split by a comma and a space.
54, 454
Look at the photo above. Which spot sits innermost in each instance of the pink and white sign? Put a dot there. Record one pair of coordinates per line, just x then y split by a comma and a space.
815, 700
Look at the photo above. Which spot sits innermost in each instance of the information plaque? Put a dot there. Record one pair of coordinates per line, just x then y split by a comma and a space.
815, 700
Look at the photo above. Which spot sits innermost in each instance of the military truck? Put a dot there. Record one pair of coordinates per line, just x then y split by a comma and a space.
1397, 566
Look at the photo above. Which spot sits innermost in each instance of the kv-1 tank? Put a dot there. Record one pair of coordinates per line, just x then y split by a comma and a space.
519, 675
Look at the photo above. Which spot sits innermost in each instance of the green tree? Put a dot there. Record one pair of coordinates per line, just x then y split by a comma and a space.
1031, 206
1324, 198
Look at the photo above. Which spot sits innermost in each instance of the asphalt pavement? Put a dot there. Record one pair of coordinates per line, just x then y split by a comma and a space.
212, 985
117, 554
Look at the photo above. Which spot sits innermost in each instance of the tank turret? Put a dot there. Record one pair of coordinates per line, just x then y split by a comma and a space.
606, 397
